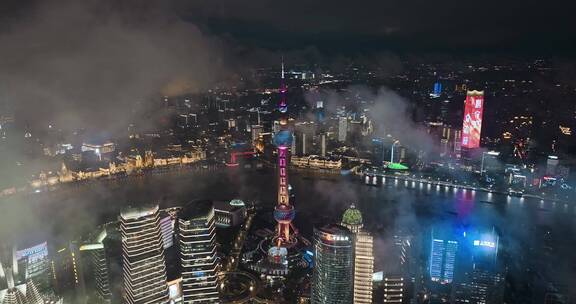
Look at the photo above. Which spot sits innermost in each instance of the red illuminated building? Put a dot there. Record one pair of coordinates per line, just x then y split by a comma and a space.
472, 122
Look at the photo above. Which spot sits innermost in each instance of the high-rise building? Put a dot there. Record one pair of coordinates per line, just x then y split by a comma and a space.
98, 268
143, 261
472, 122
490, 163
167, 228
256, 131
196, 241
377, 151
437, 91
442, 258
32, 263
14, 296
363, 255
485, 286
305, 138
32, 294
363, 267
482, 282
442, 264
398, 276
342, 128
67, 272
394, 289
323, 144
101, 275
17, 292
332, 277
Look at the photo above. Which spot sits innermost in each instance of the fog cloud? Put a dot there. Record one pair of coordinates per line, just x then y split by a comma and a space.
87, 63
391, 113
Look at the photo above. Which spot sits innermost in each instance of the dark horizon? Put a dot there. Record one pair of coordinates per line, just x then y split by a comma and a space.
339, 27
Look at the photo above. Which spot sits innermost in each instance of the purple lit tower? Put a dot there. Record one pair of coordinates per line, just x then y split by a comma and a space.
283, 212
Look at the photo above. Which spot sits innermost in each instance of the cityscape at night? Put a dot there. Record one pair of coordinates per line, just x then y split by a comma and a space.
165, 152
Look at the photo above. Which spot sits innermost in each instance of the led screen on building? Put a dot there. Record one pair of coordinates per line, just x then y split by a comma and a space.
472, 124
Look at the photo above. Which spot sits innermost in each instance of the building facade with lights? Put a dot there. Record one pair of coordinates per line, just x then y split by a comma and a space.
472, 121
442, 259
67, 272
333, 272
98, 268
363, 255
483, 281
197, 245
143, 260
229, 214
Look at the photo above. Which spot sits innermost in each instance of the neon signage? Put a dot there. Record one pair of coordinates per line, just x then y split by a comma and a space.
484, 244
34, 252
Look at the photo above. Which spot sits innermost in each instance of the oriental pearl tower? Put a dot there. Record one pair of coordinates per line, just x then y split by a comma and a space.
283, 212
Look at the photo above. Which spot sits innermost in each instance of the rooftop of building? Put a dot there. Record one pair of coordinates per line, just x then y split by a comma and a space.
230, 206
352, 216
334, 229
137, 212
197, 208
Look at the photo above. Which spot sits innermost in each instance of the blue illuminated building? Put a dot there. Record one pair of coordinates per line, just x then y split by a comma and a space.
443, 252
437, 88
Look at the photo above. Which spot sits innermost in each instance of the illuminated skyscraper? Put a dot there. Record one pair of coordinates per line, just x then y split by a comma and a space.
472, 122
196, 240
98, 267
363, 267
442, 258
32, 294
284, 212
398, 286
332, 277
143, 262
67, 272
14, 296
437, 90
101, 275
32, 263
394, 289
167, 229
363, 255
482, 281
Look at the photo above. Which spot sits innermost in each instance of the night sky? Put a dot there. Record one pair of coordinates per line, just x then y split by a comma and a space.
416, 25
343, 26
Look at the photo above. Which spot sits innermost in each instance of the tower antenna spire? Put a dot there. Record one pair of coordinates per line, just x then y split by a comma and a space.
282, 66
